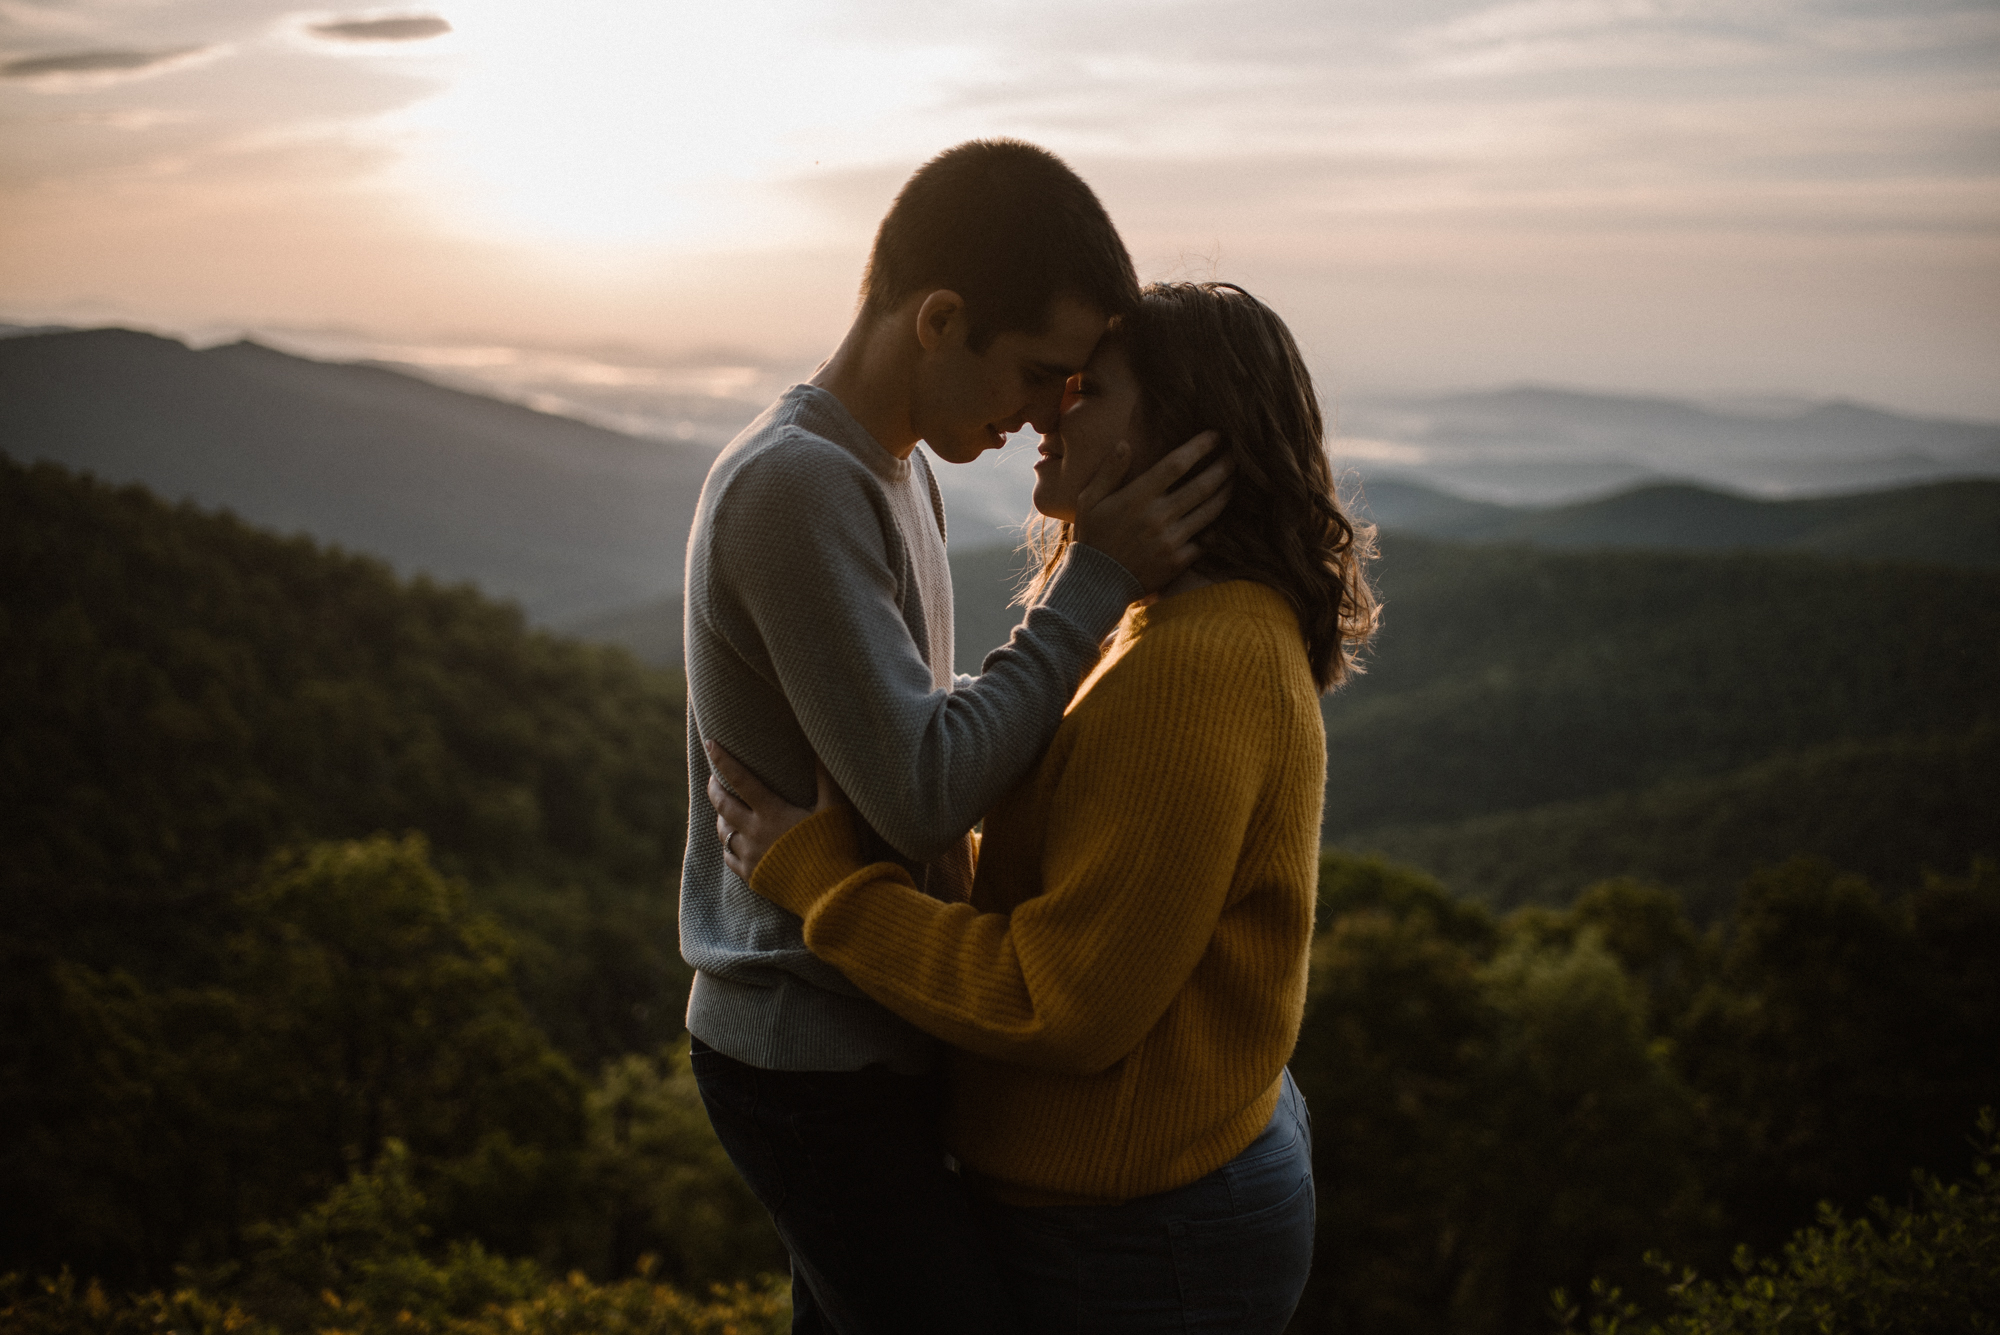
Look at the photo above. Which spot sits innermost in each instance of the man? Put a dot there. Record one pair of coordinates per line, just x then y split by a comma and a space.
819, 624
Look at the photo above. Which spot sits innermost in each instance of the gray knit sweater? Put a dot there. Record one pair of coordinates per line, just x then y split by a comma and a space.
818, 622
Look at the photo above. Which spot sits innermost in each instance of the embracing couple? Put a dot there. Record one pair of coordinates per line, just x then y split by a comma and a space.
1030, 1079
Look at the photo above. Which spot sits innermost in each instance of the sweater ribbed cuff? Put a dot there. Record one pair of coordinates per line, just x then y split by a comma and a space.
1092, 590
809, 860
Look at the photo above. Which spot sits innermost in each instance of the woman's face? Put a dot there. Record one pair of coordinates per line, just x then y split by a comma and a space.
1099, 408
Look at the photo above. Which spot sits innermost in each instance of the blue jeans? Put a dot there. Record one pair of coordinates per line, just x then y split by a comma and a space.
852, 1170
1229, 1252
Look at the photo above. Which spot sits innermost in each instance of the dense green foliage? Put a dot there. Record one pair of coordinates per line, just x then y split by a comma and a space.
1507, 1106
1532, 721
1933, 1266
1506, 678
204, 1018
526, 1303
339, 988
361, 1002
184, 695
1952, 523
1883, 808
365, 1009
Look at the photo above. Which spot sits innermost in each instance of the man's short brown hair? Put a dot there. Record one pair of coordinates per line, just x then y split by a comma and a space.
1009, 227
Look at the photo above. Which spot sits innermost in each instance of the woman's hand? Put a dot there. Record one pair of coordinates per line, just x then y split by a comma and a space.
749, 817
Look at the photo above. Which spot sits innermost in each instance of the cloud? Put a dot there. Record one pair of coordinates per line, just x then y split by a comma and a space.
1556, 36
44, 18
98, 65
406, 28
137, 119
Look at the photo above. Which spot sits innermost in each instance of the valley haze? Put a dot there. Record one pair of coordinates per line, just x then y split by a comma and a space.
565, 479
1671, 680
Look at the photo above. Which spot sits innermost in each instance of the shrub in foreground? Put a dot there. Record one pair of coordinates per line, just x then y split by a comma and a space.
359, 1263
574, 1306
1932, 1266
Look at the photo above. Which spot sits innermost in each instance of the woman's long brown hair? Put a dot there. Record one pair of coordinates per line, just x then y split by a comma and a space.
1210, 355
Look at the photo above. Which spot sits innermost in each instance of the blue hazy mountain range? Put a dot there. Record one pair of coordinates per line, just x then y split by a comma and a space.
1534, 445
585, 525
567, 518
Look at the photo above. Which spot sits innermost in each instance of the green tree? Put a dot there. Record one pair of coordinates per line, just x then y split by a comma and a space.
366, 1002
181, 699
1494, 1113
1587, 1134
1391, 1060
127, 1147
389, 1005
662, 1185
1931, 1267
182, 696
1847, 1037
366, 1242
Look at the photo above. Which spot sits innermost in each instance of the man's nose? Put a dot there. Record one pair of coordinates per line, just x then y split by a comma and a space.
1045, 411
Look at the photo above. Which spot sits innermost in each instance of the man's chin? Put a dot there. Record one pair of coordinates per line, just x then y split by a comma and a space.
965, 449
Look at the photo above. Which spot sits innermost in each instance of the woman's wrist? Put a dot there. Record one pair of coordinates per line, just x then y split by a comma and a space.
809, 860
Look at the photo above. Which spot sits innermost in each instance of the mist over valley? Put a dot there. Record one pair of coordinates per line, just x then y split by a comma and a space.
1611, 673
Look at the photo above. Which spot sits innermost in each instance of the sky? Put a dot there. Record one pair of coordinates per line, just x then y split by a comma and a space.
1705, 198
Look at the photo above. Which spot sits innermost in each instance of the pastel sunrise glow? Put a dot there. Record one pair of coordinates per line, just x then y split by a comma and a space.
1684, 196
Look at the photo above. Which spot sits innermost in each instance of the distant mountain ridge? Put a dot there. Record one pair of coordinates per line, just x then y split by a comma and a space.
1952, 523
1537, 445
568, 519
586, 526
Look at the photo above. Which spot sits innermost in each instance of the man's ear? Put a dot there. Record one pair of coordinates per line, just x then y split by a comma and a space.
936, 315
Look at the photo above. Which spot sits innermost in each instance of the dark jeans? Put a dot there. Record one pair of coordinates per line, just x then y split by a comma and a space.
849, 1164
1229, 1252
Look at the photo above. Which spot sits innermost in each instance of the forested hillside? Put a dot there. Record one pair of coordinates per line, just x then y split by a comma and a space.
212, 1005
1950, 523
1506, 680
1532, 721
1889, 808
338, 988
186, 695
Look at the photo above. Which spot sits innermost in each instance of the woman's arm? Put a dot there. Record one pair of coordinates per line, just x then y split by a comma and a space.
1146, 827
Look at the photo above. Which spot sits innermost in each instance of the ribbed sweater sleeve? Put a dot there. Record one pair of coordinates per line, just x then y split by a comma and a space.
1148, 820
802, 550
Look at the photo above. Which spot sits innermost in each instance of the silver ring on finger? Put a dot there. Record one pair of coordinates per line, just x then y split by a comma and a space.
729, 844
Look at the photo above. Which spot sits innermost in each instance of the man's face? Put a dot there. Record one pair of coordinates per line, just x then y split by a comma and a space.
967, 403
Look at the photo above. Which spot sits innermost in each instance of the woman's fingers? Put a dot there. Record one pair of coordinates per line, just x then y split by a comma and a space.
1212, 479
732, 858
1142, 525
1184, 456
739, 779
728, 806
1110, 472
1150, 490
1201, 516
749, 817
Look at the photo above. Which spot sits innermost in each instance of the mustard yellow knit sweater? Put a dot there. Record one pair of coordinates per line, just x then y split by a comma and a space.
1127, 983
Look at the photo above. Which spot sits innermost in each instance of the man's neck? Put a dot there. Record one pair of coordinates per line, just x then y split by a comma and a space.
870, 373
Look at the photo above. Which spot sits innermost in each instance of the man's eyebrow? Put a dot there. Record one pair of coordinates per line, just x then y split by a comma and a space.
1060, 370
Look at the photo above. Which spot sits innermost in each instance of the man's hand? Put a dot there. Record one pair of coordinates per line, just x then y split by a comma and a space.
1143, 526
749, 817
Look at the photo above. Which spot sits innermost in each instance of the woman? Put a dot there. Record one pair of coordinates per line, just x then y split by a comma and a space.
1128, 980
